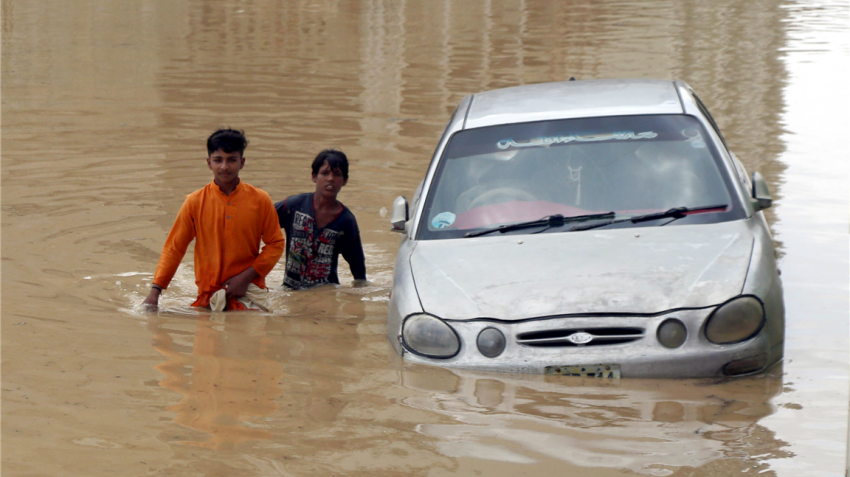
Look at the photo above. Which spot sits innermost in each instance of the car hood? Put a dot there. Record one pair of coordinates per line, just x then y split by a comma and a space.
631, 270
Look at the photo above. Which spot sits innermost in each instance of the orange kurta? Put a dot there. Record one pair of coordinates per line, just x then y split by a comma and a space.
227, 232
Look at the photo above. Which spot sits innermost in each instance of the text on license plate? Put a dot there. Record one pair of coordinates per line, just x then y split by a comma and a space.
590, 371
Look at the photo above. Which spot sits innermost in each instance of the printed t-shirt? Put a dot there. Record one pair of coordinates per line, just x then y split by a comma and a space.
227, 231
312, 253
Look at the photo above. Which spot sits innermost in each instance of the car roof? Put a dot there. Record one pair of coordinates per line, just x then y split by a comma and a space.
572, 99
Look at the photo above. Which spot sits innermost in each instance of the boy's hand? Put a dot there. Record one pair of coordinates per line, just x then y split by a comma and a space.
152, 301
237, 285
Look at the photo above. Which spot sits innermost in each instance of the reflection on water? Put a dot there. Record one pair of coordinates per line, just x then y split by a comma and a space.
222, 372
299, 384
234, 369
646, 426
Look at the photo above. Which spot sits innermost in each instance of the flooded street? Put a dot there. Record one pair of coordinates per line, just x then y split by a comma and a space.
106, 107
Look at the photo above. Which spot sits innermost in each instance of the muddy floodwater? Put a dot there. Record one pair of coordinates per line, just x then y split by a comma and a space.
105, 109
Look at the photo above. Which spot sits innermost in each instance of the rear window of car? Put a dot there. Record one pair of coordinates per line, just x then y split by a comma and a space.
630, 165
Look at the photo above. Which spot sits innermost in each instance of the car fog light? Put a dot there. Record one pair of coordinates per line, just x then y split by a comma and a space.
735, 321
430, 336
672, 333
491, 342
746, 365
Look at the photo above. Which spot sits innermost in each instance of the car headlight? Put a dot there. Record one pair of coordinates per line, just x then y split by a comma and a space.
491, 342
734, 321
429, 336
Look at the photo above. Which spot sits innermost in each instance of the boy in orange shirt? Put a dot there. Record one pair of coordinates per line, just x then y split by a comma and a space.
227, 219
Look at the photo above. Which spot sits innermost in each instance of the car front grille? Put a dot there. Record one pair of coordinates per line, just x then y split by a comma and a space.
579, 337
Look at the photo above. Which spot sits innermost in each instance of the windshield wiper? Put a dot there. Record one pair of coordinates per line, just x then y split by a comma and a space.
549, 221
675, 213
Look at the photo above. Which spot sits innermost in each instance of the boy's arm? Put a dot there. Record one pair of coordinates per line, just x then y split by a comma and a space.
272, 239
179, 238
352, 252
282, 213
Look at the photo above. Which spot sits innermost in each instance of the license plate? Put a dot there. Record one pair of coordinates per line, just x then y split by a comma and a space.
608, 371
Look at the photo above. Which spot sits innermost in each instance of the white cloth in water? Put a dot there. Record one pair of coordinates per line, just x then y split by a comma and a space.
255, 298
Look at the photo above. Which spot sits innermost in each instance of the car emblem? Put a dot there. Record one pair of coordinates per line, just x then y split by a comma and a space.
580, 338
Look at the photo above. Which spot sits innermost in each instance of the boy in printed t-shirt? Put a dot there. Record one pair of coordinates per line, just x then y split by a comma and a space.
319, 228
227, 219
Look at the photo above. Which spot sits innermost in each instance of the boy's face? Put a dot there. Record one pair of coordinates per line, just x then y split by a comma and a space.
329, 182
225, 166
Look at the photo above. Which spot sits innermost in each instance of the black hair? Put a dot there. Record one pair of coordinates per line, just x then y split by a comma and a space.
336, 160
228, 140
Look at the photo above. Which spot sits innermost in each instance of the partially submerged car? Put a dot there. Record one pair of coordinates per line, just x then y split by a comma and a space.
592, 228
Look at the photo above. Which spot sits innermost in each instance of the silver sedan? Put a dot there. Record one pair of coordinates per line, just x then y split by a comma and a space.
589, 228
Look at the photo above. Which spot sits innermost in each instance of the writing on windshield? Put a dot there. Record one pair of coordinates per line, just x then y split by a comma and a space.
545, 141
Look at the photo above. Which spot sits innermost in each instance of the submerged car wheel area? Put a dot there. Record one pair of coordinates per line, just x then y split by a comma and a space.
591, 228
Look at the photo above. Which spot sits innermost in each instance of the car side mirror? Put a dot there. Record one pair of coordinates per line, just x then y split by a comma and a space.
400, 215
761, 195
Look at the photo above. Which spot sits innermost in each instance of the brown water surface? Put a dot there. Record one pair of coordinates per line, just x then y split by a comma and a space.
105, 110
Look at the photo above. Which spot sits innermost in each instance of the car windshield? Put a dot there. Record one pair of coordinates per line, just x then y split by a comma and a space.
629, 165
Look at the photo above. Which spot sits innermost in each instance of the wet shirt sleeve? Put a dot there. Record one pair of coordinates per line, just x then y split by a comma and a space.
352, 250
282, 213
181, 235
272, 238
